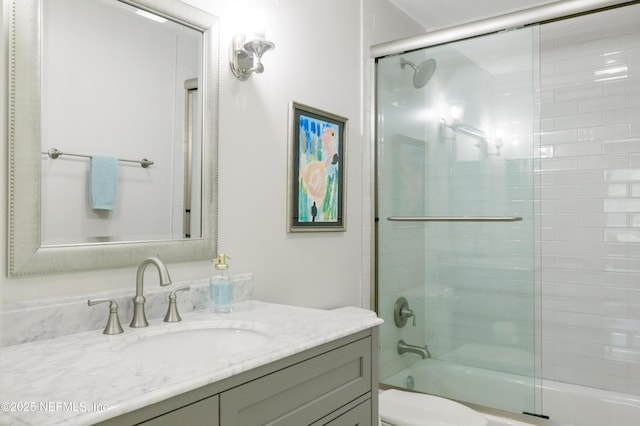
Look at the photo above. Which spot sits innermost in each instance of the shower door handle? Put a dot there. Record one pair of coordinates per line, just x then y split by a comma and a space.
454, 218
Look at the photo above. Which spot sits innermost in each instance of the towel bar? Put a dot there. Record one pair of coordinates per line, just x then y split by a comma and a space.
55, 153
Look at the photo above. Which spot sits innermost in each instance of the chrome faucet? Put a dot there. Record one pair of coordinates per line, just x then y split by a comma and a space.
423, 351
139, 318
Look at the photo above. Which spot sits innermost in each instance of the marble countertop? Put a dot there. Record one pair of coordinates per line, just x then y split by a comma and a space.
85, 378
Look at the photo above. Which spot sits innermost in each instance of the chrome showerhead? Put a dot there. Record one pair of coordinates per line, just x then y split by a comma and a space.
422, 73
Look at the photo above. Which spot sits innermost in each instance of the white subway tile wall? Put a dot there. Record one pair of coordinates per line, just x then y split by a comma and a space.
590, 198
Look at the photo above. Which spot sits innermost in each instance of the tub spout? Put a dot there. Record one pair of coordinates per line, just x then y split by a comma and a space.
423, 351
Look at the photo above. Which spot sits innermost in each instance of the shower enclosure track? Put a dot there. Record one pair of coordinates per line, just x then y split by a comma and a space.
516, 19
454, 218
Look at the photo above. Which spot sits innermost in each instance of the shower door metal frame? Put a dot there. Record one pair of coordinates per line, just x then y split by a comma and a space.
535, 15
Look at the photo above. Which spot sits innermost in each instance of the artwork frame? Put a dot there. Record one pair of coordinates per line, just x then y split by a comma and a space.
317, 170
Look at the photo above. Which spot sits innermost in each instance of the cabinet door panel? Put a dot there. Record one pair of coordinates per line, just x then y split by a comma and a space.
302, 393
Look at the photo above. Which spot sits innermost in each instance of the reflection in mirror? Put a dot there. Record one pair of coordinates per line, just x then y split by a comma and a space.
108, 90
117, 93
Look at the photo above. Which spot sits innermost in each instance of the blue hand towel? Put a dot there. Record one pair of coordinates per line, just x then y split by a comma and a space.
103, 182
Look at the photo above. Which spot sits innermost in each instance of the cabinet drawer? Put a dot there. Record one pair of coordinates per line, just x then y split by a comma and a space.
357, 416
201, 413
302, 393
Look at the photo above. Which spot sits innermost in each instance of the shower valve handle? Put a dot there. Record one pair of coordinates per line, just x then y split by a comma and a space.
402, 312
408, 313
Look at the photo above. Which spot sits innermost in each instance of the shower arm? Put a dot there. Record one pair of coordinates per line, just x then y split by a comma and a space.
465, 129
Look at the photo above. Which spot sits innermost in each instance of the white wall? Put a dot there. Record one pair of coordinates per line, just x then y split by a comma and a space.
318, 61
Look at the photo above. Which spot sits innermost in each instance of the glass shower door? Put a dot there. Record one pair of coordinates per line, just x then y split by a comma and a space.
455, 236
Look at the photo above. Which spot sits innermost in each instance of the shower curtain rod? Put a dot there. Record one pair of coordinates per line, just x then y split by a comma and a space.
454, 218
534, 15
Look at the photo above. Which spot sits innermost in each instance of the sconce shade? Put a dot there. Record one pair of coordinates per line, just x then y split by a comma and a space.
246, 58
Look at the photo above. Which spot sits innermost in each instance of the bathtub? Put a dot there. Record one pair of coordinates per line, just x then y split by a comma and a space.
562, 402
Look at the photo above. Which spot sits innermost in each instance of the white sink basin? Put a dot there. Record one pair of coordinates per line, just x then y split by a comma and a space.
195, 345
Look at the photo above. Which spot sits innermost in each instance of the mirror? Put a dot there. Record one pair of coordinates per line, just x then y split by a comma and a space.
120, 93
158, 103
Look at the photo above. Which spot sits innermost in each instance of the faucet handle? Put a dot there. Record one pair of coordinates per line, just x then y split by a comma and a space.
172, 313
402, 312
408, 313
113, 324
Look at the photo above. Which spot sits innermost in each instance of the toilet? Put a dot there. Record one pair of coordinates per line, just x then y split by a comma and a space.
400, 408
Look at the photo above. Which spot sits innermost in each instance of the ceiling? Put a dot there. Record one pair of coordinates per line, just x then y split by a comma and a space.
433, 14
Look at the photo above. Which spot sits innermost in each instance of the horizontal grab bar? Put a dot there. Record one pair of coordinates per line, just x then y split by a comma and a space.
454, 218
54, 153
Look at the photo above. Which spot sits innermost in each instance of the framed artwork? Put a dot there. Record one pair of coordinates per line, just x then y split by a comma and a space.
317, 171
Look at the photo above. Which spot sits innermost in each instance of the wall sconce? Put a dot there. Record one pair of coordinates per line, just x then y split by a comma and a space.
245, 58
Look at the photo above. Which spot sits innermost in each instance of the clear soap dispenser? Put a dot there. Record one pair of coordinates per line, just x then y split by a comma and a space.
221, 287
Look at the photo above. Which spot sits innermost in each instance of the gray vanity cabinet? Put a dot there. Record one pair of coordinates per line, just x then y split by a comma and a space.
199, 413
333, 384
302, 393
